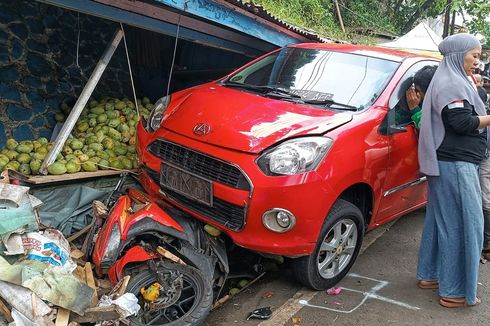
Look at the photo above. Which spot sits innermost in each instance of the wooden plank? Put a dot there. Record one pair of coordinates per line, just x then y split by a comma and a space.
123, 284
79, 272
46, 179
89, 276
79, 233
63, 317
93, 315
76, 254
5, 311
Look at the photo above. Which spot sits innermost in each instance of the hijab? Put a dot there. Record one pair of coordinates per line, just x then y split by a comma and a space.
450, 83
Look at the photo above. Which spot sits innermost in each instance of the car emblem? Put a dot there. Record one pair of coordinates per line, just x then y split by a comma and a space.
202, 129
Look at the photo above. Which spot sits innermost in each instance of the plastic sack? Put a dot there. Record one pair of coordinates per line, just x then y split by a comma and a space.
49, 246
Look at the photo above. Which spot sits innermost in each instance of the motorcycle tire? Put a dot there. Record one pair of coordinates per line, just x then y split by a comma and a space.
189, 312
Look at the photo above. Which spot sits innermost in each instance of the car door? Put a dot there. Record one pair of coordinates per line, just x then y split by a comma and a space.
404, 187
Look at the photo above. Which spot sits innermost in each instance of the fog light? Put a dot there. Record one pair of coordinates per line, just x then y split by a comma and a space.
278, 220
283, 219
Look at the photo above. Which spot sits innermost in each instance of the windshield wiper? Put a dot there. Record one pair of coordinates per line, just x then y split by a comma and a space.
332, 104
268, 90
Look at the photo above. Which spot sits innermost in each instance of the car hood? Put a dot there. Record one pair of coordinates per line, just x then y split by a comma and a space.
244, 121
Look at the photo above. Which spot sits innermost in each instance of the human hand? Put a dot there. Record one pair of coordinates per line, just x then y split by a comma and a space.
413, 98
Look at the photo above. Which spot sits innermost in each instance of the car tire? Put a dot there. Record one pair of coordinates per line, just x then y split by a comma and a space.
338, 245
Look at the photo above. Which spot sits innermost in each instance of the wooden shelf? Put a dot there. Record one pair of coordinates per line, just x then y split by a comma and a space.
46, 179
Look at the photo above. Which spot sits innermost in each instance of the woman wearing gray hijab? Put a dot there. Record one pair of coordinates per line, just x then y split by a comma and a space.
452, 143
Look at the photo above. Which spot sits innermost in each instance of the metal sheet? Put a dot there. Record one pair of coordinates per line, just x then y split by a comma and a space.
222, 15
118, 15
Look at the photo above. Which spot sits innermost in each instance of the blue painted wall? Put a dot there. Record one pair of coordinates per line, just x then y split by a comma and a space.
39, 70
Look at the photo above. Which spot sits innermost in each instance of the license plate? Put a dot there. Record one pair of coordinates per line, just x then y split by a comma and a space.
186, 184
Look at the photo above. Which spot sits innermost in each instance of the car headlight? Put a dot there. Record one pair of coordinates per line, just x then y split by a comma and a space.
156, 114
112, 247
295, 156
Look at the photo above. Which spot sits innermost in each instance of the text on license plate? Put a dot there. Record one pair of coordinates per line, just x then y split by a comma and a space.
186, 184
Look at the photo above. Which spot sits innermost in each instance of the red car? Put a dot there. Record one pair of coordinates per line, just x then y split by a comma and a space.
296, 154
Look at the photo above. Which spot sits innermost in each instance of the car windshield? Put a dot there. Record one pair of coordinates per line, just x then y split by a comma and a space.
318, 76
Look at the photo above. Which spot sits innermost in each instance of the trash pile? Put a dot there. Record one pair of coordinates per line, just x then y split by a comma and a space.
45, 278
104, 138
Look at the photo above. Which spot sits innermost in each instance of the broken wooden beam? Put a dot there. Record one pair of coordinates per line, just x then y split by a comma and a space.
96, 314
63, 317
5, 311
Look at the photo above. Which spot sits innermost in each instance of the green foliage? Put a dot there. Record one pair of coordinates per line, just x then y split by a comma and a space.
312, 14
368, 14
478, 14
378, 16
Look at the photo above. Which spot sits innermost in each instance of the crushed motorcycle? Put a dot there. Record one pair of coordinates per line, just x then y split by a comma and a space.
178, 268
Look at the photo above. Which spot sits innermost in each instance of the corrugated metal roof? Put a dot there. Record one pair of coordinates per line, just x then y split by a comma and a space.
263, 13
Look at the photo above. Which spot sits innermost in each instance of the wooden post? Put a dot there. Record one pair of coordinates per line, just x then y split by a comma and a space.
340, 16
446, 19
453, 22
82, 100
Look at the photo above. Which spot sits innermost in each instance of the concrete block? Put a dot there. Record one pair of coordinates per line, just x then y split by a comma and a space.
38, 107
9, 93
51, 121
33, 82
44, 132
18, 113
6, 15
52, 88
53, 104
23, 132
9, 74
50, 22
3, 37
38, 122
35, 26
19, 30
38, 66
17, 50
4, 54
34, 45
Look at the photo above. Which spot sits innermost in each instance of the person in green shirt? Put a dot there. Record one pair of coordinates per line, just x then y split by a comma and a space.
415, 94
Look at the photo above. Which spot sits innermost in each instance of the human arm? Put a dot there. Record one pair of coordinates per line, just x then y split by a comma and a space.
484, 121
413, 98
459, 116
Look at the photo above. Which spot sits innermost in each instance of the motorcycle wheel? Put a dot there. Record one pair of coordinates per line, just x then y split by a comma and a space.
190, 308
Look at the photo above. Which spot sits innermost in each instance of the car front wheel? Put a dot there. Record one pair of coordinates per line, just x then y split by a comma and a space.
337, 248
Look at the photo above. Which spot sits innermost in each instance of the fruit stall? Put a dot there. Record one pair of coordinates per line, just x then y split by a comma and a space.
76, 77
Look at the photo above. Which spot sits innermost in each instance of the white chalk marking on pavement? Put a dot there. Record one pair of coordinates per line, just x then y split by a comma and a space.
284, 313
371, 294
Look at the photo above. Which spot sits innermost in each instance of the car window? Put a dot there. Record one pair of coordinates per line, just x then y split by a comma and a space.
346, 78
398, 100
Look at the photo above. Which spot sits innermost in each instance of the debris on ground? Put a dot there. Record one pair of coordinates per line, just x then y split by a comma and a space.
260, 313
268, 295
334, 291
45, 278
296, 320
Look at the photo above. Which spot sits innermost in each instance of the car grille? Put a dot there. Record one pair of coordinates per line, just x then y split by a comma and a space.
202, 165
222, 212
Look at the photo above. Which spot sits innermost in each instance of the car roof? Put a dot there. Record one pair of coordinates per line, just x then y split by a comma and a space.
371, 51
